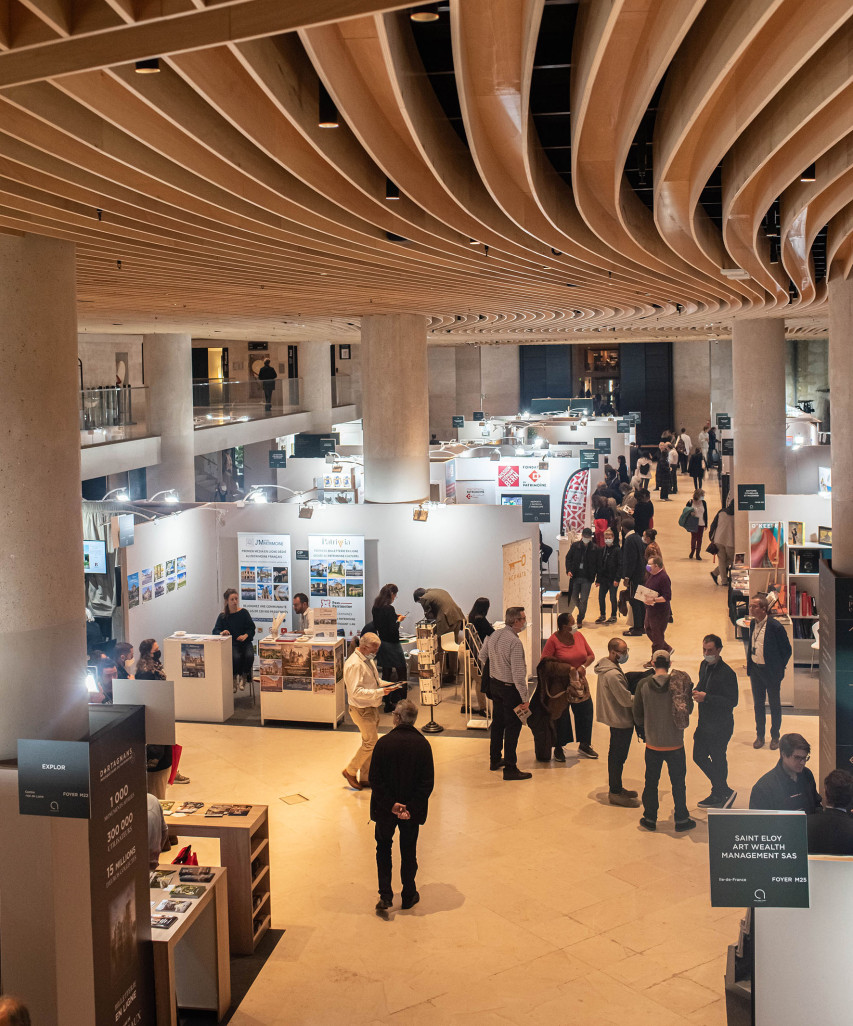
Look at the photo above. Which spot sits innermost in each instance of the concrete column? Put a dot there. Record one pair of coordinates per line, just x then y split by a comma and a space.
722, 398
691, 385
167, 360
315, 372
501, 378
758, 415
442, 391
47, 946
841, 403
395, 391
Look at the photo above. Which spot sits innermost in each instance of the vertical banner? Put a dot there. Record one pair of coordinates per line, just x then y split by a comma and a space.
118, 868
450, 481
337, 577
521, 588
265, 578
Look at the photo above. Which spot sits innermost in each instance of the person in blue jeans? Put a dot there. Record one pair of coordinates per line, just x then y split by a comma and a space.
582, 567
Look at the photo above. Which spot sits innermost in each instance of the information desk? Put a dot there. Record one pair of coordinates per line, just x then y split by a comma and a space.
191, 962
200, 665
302, 679
244, 851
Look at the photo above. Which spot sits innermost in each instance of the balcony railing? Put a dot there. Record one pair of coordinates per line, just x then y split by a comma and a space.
342, 390
113, 414
225, 401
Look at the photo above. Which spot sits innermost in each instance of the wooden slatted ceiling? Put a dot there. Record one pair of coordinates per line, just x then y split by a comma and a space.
207, 199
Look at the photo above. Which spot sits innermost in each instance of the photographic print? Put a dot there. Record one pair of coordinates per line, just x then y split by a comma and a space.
132, 590
319, 569
159, 571
322, 653
163, 922
182, 564
354, 568
171, 583
123, 931
147, 592
324, 670
337, 568
247, 593
187, 891
296, 660
269, 683
280, 575
339, 662
355, 589
170, 905
159, 588
247, 575
264, 593
318, 588
324, 687
796, 533
336, 589
147, 577
264, 575
281, 593
824, 535
182, 579
192, 660
296, 683
270, 656
170, 567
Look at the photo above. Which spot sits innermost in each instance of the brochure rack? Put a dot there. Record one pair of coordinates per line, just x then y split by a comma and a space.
429, 672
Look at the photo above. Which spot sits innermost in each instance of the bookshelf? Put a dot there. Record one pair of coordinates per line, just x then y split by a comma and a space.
802, 564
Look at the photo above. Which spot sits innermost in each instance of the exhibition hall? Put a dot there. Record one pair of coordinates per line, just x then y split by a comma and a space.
428, 599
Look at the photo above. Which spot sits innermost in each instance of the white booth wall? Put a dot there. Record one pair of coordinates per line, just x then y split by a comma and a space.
458, 549
801, 466
813, 511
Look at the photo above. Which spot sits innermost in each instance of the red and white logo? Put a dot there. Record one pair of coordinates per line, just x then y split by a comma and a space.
508, 476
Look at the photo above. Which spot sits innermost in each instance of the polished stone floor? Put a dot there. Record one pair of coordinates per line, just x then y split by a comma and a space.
540, 902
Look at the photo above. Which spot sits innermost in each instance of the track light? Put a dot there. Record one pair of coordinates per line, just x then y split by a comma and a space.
392, 192
495, 457
473, 242
423, 16
328, 111
151, 66
306, 512
120, 494
809, 174
169, 495
420, 514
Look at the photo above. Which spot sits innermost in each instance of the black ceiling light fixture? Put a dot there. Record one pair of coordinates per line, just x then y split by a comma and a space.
328, 112
150, 66
809, 174
392, 192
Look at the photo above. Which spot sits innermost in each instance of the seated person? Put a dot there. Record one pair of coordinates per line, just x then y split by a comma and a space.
831, 831
790, 785
158, 835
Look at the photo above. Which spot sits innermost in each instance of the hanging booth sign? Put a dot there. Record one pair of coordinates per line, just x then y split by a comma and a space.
536, 509
336, 563
479, 415
724, 422
589, 459
727, 446
265, 578
750, 496
602, 445
623, 426
458, 421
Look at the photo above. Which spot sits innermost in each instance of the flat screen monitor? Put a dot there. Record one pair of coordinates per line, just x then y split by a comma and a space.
511, 500
94, 556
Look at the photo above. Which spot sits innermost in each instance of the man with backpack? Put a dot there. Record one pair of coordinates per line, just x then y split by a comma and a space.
662, 706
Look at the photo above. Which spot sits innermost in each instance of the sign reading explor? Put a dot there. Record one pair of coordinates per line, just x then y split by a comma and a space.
589, 459
750, 496
53, 778
758, 859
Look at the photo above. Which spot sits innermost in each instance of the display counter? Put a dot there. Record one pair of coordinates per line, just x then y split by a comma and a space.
302, 679
200, 665
189, 936
243, 835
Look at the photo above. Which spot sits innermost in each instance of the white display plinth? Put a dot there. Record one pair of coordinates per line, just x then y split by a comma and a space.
208, 698
318, 702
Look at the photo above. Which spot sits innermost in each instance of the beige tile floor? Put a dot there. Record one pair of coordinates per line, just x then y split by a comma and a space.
540, 903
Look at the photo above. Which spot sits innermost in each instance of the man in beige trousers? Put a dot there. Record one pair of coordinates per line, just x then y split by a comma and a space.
365, 691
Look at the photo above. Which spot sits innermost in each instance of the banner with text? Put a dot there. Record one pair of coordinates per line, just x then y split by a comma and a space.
265, 579
521, 580
336, 564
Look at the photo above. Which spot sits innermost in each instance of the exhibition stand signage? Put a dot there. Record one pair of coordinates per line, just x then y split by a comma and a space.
53, 778
522, 477
536, 509
602, 445
520, 585
479, 415
458, 422
758, 859
750, 496
589, 459
724, 421
264, 561
278, 459
623, 425
728, 446
336, 564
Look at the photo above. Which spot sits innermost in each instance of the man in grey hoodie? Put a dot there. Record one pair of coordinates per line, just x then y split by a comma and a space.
654, 715
613, 708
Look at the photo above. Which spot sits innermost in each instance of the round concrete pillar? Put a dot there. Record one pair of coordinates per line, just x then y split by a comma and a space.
758, 418
395, 404
167, 360
841, 408
42, 597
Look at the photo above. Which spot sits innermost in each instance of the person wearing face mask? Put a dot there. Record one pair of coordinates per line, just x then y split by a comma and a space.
658, 609
504, 653
568, 645
366, 692
581, 567
716, 696
608, 575
149, 666
125, 663
614, 703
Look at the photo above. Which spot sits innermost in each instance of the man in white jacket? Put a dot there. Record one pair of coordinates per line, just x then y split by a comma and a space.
614, 709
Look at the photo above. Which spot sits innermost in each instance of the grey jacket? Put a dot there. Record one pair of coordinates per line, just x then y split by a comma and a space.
653, 713
613, 699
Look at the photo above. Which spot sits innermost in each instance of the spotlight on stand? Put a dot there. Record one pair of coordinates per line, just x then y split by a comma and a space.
337, 468
306, 512
495, 457
169, 495
420, 514
543, 464
120, 494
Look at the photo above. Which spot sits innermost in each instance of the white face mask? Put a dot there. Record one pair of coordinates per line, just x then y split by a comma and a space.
624, 657
711, 659
129, 666
608, 542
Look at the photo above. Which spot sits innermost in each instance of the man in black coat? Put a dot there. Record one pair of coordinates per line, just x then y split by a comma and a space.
716, 696
402, 778
634, 573
581, 566
767, 656
831, 831
790, 785
267, 376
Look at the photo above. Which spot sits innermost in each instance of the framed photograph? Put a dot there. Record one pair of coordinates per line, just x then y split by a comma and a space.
796, 532
343, 352
824, 535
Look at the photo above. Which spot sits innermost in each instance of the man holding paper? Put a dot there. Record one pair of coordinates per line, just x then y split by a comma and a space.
656, 593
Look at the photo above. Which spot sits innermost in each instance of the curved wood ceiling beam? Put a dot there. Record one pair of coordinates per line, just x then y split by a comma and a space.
622, 51
493, 87
839, 245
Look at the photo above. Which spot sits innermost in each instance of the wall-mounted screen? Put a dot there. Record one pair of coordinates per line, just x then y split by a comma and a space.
94, 556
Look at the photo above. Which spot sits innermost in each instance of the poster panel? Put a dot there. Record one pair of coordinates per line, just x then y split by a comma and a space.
336, 562
265, 578
478, 493
521, 578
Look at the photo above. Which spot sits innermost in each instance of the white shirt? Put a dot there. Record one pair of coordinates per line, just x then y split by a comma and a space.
672, 457
758, 632
686, 439
364, 688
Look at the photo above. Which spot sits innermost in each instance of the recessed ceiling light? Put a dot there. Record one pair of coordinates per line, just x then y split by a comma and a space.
151, 66
424, 16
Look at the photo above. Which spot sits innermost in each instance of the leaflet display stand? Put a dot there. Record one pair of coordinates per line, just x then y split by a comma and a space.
429, 674
200, 665
302, 679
